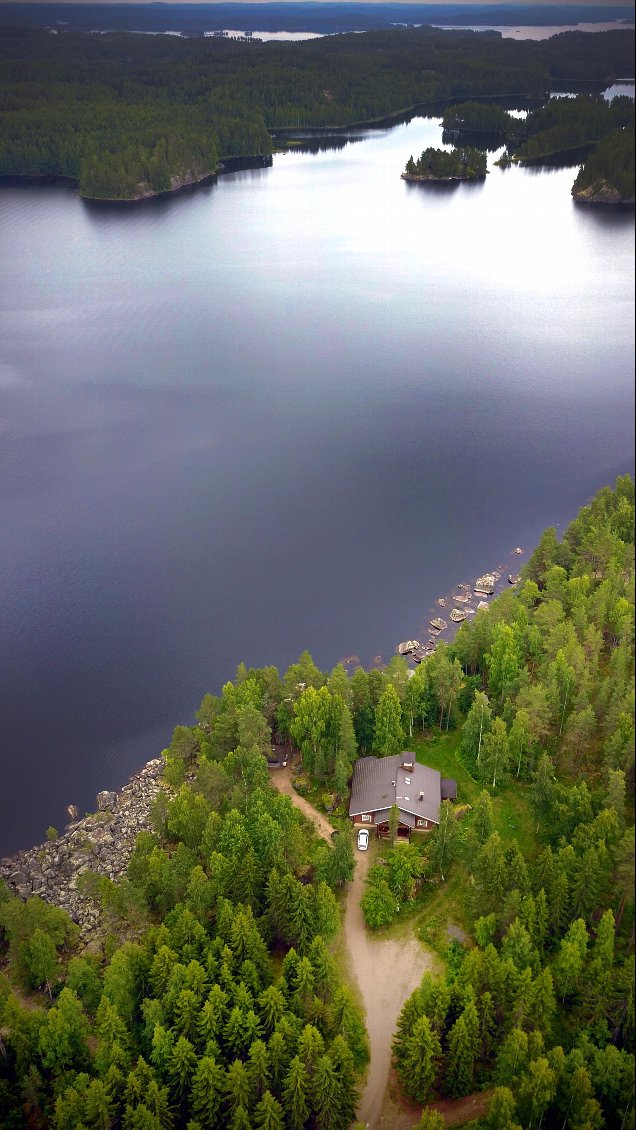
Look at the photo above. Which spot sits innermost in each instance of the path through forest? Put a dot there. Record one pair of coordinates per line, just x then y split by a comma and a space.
387, 970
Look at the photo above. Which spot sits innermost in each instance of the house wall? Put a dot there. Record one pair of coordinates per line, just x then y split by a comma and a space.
363, 818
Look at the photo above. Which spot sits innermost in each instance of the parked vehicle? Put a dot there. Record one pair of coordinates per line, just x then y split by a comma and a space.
363, 839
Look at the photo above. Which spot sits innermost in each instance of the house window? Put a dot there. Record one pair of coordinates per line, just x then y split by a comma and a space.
421, 823
366, 816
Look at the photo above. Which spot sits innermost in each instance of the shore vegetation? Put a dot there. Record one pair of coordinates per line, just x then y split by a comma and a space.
128, 116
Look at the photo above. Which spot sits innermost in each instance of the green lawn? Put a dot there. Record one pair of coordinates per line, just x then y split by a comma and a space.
513, 818
441, 752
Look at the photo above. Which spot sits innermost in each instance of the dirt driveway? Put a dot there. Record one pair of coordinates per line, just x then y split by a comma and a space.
281, 779
387, 971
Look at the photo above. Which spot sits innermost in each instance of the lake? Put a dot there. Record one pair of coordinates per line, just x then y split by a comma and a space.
286, 410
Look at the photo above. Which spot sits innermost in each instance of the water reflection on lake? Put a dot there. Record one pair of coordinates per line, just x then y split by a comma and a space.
286, 410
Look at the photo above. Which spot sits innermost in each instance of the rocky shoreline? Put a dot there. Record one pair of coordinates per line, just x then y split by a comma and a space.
601, 192
101, 842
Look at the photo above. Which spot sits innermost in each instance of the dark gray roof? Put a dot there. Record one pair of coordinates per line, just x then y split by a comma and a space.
380, 782
449, 788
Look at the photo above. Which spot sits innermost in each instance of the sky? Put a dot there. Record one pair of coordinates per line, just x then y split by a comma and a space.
449, 3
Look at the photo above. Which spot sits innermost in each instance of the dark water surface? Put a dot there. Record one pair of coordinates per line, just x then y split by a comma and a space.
284, 411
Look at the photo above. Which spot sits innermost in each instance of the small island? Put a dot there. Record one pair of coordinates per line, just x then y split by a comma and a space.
464, 163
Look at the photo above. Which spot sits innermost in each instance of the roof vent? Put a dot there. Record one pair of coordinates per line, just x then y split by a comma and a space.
408, 764
421, 796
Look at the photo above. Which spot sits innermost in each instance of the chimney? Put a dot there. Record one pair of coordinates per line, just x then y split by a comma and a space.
408, 763
421, 796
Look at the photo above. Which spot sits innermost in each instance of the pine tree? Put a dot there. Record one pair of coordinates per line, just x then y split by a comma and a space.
347, 1094
272, 1006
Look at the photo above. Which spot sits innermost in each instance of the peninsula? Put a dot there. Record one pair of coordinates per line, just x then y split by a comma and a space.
199, 981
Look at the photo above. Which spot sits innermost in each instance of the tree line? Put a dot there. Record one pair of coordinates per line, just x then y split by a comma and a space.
541, 1008
124, 115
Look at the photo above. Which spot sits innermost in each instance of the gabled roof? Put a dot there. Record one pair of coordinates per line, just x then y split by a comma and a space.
380, 782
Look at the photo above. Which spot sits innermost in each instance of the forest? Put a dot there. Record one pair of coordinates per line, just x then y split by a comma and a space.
585, 126
611, 166
540, 1010
127, 116
212, 995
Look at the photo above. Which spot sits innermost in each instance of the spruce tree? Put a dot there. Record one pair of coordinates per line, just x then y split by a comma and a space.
268, 1114
418, 1060
295, 1094
206, 1094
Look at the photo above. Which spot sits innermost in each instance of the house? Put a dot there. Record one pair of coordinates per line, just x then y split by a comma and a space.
380, 782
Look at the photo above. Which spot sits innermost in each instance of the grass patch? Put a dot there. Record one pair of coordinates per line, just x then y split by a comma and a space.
513, 818
444, 906
441, 751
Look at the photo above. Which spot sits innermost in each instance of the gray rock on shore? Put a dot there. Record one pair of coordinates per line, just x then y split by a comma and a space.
101, 842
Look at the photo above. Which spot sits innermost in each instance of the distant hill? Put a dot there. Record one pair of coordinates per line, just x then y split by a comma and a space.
193, 19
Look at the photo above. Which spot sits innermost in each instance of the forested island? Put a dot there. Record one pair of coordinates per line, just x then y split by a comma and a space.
464, 163
585, 127
129, 116
212, 994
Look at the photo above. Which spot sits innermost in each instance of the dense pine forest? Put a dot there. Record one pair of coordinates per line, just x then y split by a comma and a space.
127, 116
211, 994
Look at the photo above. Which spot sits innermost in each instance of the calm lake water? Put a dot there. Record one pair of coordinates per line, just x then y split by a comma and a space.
284, 411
